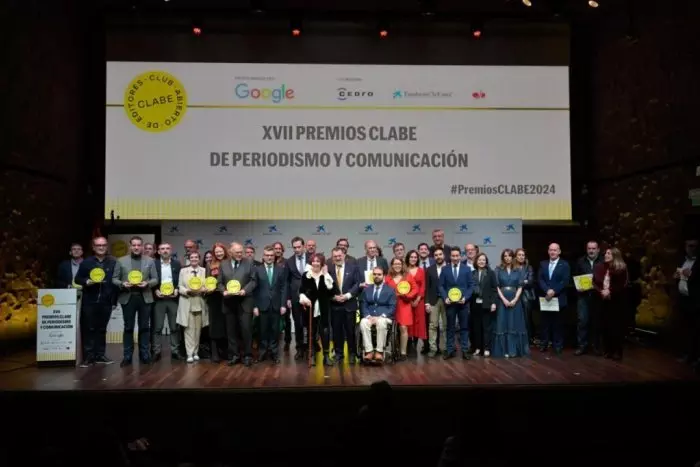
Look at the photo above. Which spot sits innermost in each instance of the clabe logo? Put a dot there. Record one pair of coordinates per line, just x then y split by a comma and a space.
369, 228
274, 95
487, 241
463, 228
248, 242
510, 228
174, 229
321, 228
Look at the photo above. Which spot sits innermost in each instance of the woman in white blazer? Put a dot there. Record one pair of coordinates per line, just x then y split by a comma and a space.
192, 312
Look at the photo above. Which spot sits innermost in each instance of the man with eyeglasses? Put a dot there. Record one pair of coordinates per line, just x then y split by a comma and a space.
95, 277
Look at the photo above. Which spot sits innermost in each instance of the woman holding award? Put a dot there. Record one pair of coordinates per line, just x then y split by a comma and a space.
217, 321
192, 310
510, 336
406, 289
315, 292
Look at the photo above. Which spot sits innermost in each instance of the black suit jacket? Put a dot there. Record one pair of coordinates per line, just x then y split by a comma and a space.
245, 275
175, 266
321, 293
484, 289
351, 284
294, 277
381, 262
432, 284
693, 280
270, 296
64, 278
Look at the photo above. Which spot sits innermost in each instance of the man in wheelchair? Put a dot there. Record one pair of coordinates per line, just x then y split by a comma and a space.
377, 308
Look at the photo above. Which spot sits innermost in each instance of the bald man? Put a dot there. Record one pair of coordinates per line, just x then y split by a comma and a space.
371, 260
553, 278
238, 306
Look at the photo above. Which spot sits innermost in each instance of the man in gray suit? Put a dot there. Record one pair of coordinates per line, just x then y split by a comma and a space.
238, 306
136, 298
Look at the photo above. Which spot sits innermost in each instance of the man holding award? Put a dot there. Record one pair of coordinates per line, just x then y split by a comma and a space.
135, 275
236, 283
168, 270
456, 286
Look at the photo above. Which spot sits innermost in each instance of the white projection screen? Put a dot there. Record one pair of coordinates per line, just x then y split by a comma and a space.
293, 141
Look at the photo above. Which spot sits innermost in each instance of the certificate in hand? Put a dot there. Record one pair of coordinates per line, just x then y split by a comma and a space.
549, 305
583, 282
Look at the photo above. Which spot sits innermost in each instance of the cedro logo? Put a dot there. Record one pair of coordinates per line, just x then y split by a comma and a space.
275, 95
345, 94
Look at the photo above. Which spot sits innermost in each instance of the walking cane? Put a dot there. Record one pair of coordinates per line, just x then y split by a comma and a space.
310, 334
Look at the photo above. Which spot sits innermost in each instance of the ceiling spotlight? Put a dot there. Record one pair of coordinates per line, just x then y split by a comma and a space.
477, 28
527, 3
296, 27
383, 33
196, 30
593, 4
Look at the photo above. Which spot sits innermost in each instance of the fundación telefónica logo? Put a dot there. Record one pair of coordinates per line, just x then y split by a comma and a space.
155, 101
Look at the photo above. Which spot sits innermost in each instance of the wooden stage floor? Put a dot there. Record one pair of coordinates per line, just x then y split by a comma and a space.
639, 366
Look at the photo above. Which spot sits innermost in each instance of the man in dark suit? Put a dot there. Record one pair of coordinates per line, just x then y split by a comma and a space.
553, 278
168, 270
69, 268
270, 303
434, 304
377, 308
687, 276
238, 273
457, 283
344, 306
296, 266
588, 328
371, 260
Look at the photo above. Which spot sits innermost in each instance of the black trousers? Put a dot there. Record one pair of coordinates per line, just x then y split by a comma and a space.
239, 328
94, 320
137, 308
321, 328
269, 331
482, 319
343, 331
298, 315
690, 320
613, 324
288, 326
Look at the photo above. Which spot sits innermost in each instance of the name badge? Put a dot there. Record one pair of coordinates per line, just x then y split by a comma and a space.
479, 300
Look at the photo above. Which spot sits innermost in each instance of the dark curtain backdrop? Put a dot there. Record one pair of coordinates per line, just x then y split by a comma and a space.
634, 149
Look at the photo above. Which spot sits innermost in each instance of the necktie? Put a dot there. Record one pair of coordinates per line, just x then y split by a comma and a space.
425, 265
194, 272
376, 294
551, 269
269, 274
235, 265
480, 275
300, 265
372, 265
455, 272
339, 276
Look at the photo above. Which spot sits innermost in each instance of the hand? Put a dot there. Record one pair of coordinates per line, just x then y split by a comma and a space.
448, 301
605, 293
289, 303
512, 303
686, 272
143, 284
192, 292
677, 274
364, 285
126, 285
241, 293
226, 293
338, 298
373, 320
427, 308
493, 308
175, 293
158, 293
415, 302
89, 282
463, 301
256, 312
550, 294
140, 444
525, 282
283, 310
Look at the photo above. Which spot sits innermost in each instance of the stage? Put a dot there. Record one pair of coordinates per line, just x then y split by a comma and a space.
640, 365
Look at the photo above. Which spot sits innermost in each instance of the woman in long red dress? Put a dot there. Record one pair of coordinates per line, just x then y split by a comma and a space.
418, 330
397, 279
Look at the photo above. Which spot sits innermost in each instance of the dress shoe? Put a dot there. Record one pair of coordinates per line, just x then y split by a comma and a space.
86, 364
103, 360
248, 362
299, 355
156, 357
542, 348
145, 361
276, 360
448, 355
466, 356
580, 351
125, 362
432, 354
558, 351
234, 361
352, 359
327, 360
175, 356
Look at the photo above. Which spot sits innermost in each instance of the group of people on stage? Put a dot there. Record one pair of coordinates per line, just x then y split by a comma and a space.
432, 293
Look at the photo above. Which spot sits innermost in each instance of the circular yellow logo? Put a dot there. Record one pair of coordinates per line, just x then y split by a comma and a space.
195, 283
119, 248
454, 294
403, 287
167, 288
233, 286
586, 283
97, 274
155, 101
210, 283
48, 300
135, 277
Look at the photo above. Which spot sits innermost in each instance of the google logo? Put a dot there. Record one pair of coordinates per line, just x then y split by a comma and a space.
277, 95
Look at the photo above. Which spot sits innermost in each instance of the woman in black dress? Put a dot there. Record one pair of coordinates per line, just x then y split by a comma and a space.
217, 323
316, 292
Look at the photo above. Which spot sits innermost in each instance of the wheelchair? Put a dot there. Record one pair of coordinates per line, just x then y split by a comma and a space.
391, 349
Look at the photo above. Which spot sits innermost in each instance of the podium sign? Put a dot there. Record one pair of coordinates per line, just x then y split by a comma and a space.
56, 326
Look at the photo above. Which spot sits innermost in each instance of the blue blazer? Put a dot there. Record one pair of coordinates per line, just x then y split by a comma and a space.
464, 282
384, 306
560, 279
352, 278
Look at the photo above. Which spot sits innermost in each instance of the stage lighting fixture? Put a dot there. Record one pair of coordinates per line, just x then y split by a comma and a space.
296, 27
296, 32
593, 4
527, 3
196, 30
383, 33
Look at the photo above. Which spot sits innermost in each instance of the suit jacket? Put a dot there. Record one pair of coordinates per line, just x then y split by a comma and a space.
270, 296
294, 277
558, 282
321, 293
64, 278
432, 284
175, 266
385, 305
351, 285
245, 274
583, 266
362, 265
485, 288
430, 260
184, 302
348, 259
121, 275
464, 282
693, 280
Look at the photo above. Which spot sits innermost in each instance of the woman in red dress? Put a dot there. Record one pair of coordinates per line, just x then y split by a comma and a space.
610, 283
418, 330
404, 299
